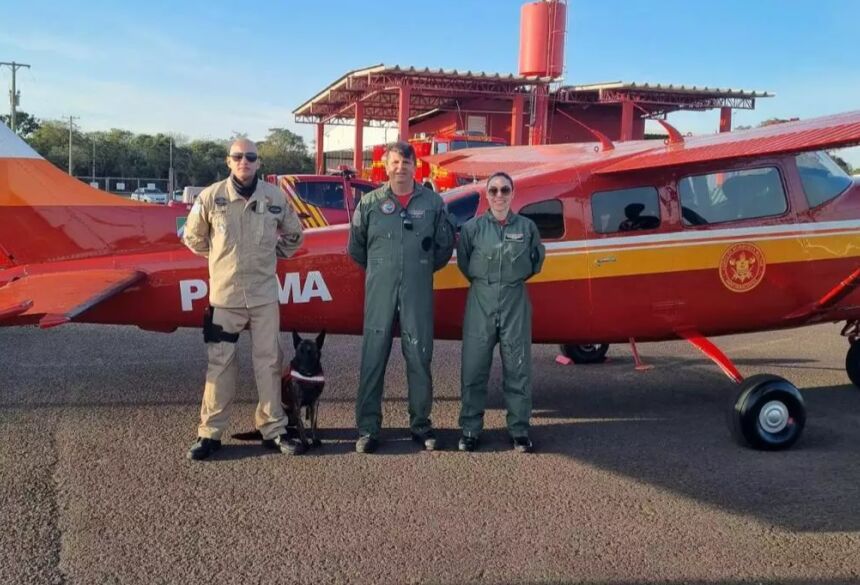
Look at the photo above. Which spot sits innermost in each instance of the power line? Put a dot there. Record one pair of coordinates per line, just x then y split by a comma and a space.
14, 95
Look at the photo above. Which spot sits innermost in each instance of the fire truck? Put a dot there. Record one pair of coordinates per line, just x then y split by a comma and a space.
321, 200
433, 176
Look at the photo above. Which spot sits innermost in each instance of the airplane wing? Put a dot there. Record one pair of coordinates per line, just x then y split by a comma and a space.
813, 134
482, 162
59, 297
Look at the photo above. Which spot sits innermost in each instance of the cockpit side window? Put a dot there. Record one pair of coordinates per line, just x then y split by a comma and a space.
462, 209
625, 210
548, 216
822, 178
731, 196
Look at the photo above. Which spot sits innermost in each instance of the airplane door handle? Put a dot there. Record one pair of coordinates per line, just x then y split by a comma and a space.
604, 260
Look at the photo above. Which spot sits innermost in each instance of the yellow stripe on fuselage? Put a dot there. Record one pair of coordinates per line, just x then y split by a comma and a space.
644, 255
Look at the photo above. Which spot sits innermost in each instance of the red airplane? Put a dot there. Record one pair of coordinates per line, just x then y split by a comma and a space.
697, 237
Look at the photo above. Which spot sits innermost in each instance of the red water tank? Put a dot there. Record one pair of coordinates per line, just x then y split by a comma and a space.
542, 26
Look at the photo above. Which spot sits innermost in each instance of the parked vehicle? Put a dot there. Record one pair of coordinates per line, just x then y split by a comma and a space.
149, 195
434, 176
321, 200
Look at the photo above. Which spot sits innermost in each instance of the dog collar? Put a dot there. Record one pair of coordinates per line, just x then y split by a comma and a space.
298, 376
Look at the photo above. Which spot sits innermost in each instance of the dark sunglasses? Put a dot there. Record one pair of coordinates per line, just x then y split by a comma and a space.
249, 156
500, 191
407, 223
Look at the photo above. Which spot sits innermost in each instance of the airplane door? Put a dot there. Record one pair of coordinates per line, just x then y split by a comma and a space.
559, 294
624, 222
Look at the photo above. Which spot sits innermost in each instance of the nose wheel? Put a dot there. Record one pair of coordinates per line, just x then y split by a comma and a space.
768, 414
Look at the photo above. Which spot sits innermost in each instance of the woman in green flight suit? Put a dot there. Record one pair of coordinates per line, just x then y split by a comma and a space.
498, 252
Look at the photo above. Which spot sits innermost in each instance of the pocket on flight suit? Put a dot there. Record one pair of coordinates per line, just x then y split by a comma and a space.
223, 232
519, 262
479, 265
424, 231
267, 229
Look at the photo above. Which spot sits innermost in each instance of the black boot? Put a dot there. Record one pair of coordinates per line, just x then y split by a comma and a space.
203, 448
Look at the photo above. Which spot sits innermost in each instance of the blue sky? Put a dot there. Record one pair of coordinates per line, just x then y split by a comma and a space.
207, 69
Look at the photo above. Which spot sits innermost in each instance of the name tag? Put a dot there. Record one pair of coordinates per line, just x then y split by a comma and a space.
417, 214
275, 209
511, 237
220, 201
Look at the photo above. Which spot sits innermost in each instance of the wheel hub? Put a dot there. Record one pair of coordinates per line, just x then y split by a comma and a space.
773, 416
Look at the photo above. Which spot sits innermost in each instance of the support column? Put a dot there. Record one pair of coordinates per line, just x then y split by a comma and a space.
517, 120
626, 120
725, 119
358, 154
320, 144
403, 112
540, 105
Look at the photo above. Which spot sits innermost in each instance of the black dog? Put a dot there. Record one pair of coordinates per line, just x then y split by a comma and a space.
301, 386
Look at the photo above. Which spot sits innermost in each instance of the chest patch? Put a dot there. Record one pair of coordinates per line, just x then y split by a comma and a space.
387, 207
276, 209
514, 237
220, 201
417, 214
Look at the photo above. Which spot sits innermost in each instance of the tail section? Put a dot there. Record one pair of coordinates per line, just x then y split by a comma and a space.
46, 215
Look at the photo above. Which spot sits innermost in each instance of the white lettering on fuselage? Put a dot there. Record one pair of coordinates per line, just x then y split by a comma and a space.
290, 289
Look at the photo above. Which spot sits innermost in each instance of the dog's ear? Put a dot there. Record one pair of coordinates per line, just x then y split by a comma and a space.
320, 339
296, 340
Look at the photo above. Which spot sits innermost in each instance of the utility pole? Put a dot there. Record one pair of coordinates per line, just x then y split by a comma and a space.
94, 160
170, 178
71, 126
14, 95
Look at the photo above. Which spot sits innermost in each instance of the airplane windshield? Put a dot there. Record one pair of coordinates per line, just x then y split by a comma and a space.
822, 178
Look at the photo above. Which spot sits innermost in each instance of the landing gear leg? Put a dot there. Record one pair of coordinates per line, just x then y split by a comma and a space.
768, 412
852, 358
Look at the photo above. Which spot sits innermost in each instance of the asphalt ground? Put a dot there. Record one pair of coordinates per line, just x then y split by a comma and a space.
636, 479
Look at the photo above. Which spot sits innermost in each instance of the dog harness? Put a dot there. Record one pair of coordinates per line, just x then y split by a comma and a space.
294, 375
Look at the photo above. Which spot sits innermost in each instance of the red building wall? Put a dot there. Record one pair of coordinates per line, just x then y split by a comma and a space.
604, 118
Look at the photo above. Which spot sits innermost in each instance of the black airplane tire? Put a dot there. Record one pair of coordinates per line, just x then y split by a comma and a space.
852, 364
768, 414
594, 353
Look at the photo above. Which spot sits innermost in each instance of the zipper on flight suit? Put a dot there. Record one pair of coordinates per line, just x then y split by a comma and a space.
499, 283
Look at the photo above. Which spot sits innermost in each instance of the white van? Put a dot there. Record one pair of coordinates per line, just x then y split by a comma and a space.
189, 194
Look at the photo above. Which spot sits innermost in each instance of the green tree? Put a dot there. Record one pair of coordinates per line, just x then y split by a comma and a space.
284, 152
25, 123
51, 140
846, 166
207, 162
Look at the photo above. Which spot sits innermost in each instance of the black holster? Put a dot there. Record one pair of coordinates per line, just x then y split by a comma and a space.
213, 333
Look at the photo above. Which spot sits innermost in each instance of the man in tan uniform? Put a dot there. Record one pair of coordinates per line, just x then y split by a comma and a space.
241, 225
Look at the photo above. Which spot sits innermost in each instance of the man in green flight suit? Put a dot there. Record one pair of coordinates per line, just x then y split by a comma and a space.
498, 252
400, 234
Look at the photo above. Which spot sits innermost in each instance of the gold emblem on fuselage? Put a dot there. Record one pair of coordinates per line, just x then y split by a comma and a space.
742, 267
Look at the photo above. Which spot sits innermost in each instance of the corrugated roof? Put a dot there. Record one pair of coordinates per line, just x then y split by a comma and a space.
663, 87
426, 72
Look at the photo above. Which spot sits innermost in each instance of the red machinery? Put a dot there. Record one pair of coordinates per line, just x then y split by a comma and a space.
434, 176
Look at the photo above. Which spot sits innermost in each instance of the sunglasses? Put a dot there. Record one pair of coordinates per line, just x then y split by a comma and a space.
499, 191
407, 223
249, 156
